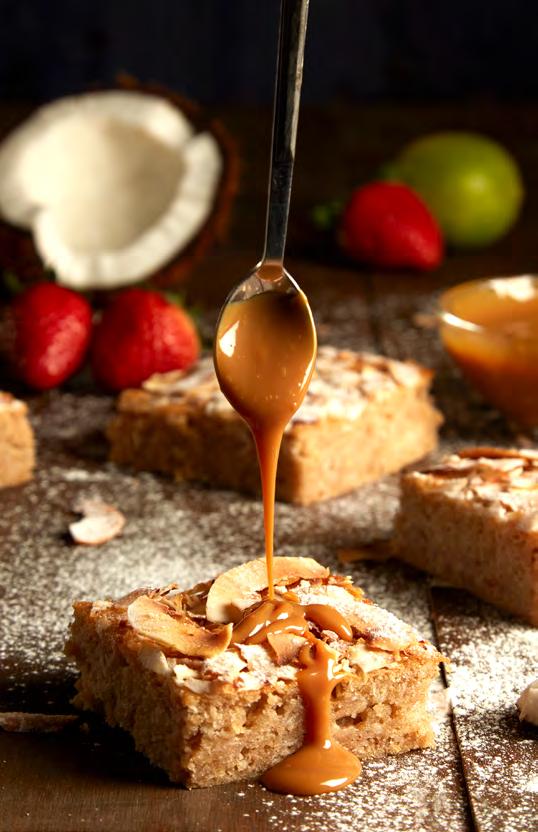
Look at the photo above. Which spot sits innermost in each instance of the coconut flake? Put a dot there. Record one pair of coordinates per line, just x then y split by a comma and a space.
101, 522
153, 659
361, 655
198, 685
234, 591
528, 703
176, 631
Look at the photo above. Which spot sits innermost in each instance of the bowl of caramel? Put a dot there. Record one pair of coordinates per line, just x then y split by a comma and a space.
490, 329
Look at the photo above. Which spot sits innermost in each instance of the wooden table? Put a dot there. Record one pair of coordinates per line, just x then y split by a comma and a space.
484, 772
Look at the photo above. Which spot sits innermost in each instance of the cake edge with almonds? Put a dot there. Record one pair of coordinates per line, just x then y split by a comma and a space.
381, 421
472, 520
17, 445
232, 716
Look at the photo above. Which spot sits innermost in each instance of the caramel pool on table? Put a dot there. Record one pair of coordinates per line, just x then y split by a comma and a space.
490, 328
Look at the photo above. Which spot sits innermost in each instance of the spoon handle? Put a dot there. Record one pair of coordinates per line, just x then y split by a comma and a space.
289, 76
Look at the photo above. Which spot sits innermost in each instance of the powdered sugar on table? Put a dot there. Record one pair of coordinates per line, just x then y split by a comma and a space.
187, 534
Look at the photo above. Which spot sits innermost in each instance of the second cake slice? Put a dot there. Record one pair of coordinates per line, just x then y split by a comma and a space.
364, 416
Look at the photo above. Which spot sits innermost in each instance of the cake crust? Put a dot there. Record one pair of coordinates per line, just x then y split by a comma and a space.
235, 714
364, 416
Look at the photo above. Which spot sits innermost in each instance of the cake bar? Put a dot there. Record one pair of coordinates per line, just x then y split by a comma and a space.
17, 457
364, 416
161, 664
472, 520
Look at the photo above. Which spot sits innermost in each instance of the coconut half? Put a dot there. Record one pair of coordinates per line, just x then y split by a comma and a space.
112, 185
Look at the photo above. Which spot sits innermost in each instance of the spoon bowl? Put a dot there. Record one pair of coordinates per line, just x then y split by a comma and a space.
265, 348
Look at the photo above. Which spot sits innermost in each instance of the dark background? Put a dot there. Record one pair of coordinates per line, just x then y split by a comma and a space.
222, 51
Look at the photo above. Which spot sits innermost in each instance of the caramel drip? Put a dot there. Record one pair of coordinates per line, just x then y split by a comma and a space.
265, 350
322, 764
274, 617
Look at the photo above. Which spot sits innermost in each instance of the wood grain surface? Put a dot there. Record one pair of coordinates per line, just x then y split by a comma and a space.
483, 774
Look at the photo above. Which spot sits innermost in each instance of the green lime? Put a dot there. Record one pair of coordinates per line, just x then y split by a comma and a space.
471, 184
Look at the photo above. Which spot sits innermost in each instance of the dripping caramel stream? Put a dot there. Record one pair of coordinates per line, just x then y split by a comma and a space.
264, 357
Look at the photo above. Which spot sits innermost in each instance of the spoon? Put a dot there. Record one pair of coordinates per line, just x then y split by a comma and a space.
269, 274
265, 344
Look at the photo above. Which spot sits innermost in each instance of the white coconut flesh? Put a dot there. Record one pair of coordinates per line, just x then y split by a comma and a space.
113, 185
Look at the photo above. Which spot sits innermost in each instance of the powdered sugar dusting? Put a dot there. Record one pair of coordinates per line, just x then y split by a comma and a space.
493, 659
188, 534
409, 793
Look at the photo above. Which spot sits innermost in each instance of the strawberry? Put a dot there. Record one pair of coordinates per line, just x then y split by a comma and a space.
48, 334
141, 333
387, 224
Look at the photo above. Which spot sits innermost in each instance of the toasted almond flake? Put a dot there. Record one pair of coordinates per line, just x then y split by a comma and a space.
488, 452
127, 599
153, 659
262, 669
257, 658
499, 468
174, 600
198, 685
524, 484
486, 491
528, 703
194, 602
94, 531
450, 469
285, 646
176, 631
23, 723
251, 681
361, 655
226, 666
183, 672
100, 523
236, 590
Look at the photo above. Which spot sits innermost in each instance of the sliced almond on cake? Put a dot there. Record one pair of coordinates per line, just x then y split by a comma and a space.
363, 656
285, 646
488, 452
176, 631
236, 590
